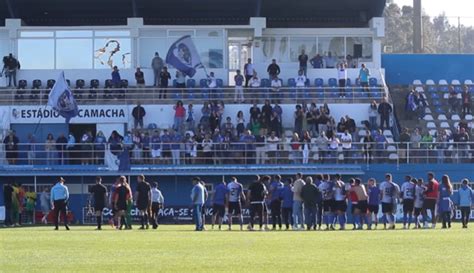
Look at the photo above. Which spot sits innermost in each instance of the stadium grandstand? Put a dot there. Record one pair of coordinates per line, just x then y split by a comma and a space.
268, 87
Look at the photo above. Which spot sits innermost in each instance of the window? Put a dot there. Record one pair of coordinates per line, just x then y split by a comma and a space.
362, 45
275, 48
211, 51
148, 47
36, 53
112, 33
180, 33
73, 33
299, 44
37, 34
74, 54
332, 49
112, 52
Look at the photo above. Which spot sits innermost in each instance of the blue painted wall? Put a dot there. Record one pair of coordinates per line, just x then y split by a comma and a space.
402, 69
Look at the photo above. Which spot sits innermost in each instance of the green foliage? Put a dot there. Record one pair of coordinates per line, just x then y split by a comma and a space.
439, 35
178, 249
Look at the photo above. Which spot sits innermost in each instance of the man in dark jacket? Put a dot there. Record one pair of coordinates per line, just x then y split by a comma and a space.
384, 110
466, 101
138, 113
7, 201
273, 69
310, 194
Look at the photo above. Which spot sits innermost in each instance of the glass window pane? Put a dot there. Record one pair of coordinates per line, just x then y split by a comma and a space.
36, 53
153, 33
111, 52
275, 48
180, 33
211, 51
112, 33
299, 44
74, 54
209, 33
332, 50
34, 34
4, 48
148, 47
360, 49
73, 33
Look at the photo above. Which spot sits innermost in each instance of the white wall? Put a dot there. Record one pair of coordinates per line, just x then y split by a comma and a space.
163, 115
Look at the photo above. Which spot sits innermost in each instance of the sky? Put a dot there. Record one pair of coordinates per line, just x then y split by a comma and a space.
452, 8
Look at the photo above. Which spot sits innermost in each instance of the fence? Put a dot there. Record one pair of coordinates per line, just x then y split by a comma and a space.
150, 95
245, 152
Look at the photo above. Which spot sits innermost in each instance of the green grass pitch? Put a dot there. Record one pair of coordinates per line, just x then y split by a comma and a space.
178, 249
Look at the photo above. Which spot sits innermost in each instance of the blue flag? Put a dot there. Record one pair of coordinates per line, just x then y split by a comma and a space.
62, 100
183, 56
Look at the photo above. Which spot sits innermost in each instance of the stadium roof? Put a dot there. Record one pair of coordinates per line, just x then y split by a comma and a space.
279, 13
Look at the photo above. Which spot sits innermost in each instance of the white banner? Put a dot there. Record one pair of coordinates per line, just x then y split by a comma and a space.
87, 114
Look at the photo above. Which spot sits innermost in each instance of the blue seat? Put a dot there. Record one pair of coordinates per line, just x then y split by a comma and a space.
457, 89
432, 88
204, 89
191, 83
435, 96
319, 82
443, 88
373, 82
267, 84
436, 103
438, 110
332, 82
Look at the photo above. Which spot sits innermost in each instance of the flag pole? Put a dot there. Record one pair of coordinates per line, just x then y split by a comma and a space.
39, 121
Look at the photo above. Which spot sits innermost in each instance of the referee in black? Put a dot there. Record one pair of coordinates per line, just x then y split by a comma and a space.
143, 200
99, 194
59, 199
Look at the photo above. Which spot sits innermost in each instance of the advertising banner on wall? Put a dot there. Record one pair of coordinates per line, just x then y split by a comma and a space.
87, 114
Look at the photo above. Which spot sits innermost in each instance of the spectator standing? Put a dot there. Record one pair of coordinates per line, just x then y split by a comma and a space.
198, 198
300, 83
248, 71
364, 75
276, 85
180, 80
466, 102
179, 115
139, 78
368, 142
298, 221
310, 194
99, 148
239, 89
373, 112
61, 142
8, 202
11, 147
157, 66
303, 60
87, 141
453, 100
138, 114
190, 120
298, 117
317, 61
70, 147
116, 79
260, 148
50, 149
330, 61
11, 66
342, 76
176, 140
255, 84
165, 76
346, 139
273, 69
384, 109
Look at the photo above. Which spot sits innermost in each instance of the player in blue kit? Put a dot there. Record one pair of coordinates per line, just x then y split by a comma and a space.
327, 190
286, 196
218, 204
389, 191
235, 197
407, 194
275, 205
374, 202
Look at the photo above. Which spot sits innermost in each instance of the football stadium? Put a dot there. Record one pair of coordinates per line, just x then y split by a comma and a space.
241, 136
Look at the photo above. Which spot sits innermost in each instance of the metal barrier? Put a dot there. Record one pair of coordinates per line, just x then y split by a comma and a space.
234, 153
152, 95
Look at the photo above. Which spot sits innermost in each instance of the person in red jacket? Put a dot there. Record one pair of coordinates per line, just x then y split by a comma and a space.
431, 198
